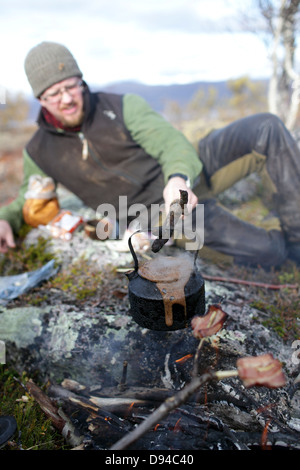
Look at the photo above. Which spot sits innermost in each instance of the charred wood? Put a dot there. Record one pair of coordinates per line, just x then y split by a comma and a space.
59, 420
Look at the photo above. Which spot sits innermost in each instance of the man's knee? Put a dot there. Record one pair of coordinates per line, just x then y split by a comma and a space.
273, 122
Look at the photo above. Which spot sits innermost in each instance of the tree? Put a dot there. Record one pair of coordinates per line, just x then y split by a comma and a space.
203, 102
14, 112
277, 23
248, 96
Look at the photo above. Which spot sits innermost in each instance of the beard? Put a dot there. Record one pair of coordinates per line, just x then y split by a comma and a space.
71, 120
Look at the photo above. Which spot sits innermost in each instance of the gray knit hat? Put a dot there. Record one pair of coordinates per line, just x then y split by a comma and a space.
49, 63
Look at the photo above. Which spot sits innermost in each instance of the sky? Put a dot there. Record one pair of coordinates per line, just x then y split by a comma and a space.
156, 42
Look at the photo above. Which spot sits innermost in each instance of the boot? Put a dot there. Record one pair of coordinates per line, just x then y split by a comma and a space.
247, 244
8, 427
294, 252
288, 207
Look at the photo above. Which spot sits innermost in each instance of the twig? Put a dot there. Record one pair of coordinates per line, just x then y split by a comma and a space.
57, 417
41, 444
122, 384
196, 358
249, 283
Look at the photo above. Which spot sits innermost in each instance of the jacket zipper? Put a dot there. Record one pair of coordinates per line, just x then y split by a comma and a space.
88, 150
85, 146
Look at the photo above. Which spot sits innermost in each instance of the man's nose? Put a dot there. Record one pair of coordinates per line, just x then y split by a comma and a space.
66, 97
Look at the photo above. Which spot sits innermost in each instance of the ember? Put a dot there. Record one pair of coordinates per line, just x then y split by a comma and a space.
183, 359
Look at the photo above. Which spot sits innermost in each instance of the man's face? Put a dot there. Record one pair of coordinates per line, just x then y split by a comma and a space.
65, 101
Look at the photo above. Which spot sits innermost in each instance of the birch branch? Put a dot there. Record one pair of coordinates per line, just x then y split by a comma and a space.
249, 283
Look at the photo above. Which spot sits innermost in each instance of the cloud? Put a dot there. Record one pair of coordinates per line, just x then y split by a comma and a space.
186, 16
157, 41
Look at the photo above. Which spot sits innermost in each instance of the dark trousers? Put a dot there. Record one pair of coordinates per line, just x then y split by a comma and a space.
232, 153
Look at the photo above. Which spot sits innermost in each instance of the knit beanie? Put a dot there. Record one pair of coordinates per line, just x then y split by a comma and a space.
49, 63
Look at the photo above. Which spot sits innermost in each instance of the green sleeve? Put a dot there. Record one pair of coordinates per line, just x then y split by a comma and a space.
160, 139
13, 211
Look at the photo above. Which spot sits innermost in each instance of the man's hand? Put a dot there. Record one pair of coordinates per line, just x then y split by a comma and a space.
171, 193
6, 237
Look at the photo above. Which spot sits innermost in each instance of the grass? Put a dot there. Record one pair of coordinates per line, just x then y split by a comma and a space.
34, 429
283, 317
80, 280
25, 258
282, 307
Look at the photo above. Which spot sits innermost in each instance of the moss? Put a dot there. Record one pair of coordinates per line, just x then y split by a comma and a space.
35, 298
80, 280
34, 430
26, 258
282, 306
283, 318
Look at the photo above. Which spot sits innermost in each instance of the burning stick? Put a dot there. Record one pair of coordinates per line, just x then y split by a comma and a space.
162, 411
59, 420
183, 359
261, 370
167, 230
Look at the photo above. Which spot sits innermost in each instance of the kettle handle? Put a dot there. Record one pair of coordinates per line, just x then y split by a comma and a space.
136, 263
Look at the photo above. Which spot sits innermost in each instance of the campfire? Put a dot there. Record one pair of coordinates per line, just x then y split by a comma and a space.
201, 407
202, 375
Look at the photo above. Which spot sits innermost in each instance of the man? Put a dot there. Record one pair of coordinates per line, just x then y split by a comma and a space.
101, 146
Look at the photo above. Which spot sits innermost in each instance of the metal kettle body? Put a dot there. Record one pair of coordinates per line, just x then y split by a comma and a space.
165, 293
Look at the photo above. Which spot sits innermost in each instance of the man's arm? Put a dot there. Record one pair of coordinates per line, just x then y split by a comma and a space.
171, 192
6, 237
164, 143
11, 216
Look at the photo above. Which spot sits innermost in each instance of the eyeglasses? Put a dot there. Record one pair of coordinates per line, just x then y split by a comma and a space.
56, 96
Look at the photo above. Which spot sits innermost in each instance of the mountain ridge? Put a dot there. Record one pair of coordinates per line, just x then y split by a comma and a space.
156, 95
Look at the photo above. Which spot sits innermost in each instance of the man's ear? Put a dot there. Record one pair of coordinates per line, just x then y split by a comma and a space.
42, 102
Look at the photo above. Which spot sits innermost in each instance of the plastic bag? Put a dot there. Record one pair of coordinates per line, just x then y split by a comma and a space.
63, 225
12, 287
